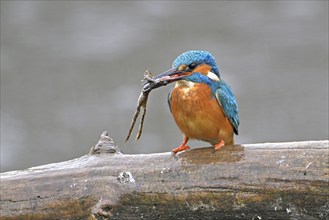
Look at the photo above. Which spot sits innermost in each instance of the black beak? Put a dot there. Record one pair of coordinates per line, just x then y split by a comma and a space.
165, 78
167, 74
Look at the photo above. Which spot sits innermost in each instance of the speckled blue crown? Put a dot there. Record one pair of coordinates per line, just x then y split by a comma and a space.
197, 56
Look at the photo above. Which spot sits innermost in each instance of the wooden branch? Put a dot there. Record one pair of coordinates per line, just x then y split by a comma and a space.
256, 181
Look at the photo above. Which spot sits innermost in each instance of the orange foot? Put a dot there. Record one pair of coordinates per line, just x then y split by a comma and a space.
182, 146
219, 145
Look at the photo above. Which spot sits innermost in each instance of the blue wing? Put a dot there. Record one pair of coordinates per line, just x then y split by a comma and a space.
226, 99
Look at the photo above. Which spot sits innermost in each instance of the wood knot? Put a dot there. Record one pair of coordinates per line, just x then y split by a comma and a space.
126, 177
105, 145
102, 210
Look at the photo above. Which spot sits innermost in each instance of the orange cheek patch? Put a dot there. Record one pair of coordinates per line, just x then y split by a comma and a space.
182, 67
202, 68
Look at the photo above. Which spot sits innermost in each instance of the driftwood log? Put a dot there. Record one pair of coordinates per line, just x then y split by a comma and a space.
254, 181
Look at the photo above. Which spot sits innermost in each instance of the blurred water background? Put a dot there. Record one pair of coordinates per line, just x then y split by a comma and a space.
72, 69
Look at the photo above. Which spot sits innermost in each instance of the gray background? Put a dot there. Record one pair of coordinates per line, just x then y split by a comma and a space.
70, 70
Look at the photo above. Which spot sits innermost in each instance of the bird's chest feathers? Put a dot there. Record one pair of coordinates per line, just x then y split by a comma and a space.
185, 89
196, 111
190, 99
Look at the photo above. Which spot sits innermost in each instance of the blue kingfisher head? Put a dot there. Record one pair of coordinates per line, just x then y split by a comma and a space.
190, 62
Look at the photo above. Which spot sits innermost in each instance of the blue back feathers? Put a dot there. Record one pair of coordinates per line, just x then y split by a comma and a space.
226, 99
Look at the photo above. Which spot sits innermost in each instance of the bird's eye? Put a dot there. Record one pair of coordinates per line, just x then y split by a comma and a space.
192, 66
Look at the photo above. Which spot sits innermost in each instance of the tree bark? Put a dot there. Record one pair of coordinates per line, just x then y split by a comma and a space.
254, 181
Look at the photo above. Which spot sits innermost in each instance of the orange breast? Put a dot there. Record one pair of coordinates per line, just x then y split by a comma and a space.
198, 115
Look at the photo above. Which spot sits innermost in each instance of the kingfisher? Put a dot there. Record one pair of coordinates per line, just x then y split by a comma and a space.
201, 102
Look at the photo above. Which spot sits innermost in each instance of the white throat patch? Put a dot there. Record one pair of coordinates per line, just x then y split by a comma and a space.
184, 83
213, 76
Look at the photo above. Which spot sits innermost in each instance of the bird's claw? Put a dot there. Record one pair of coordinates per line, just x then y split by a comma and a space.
179, 149
218, 145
